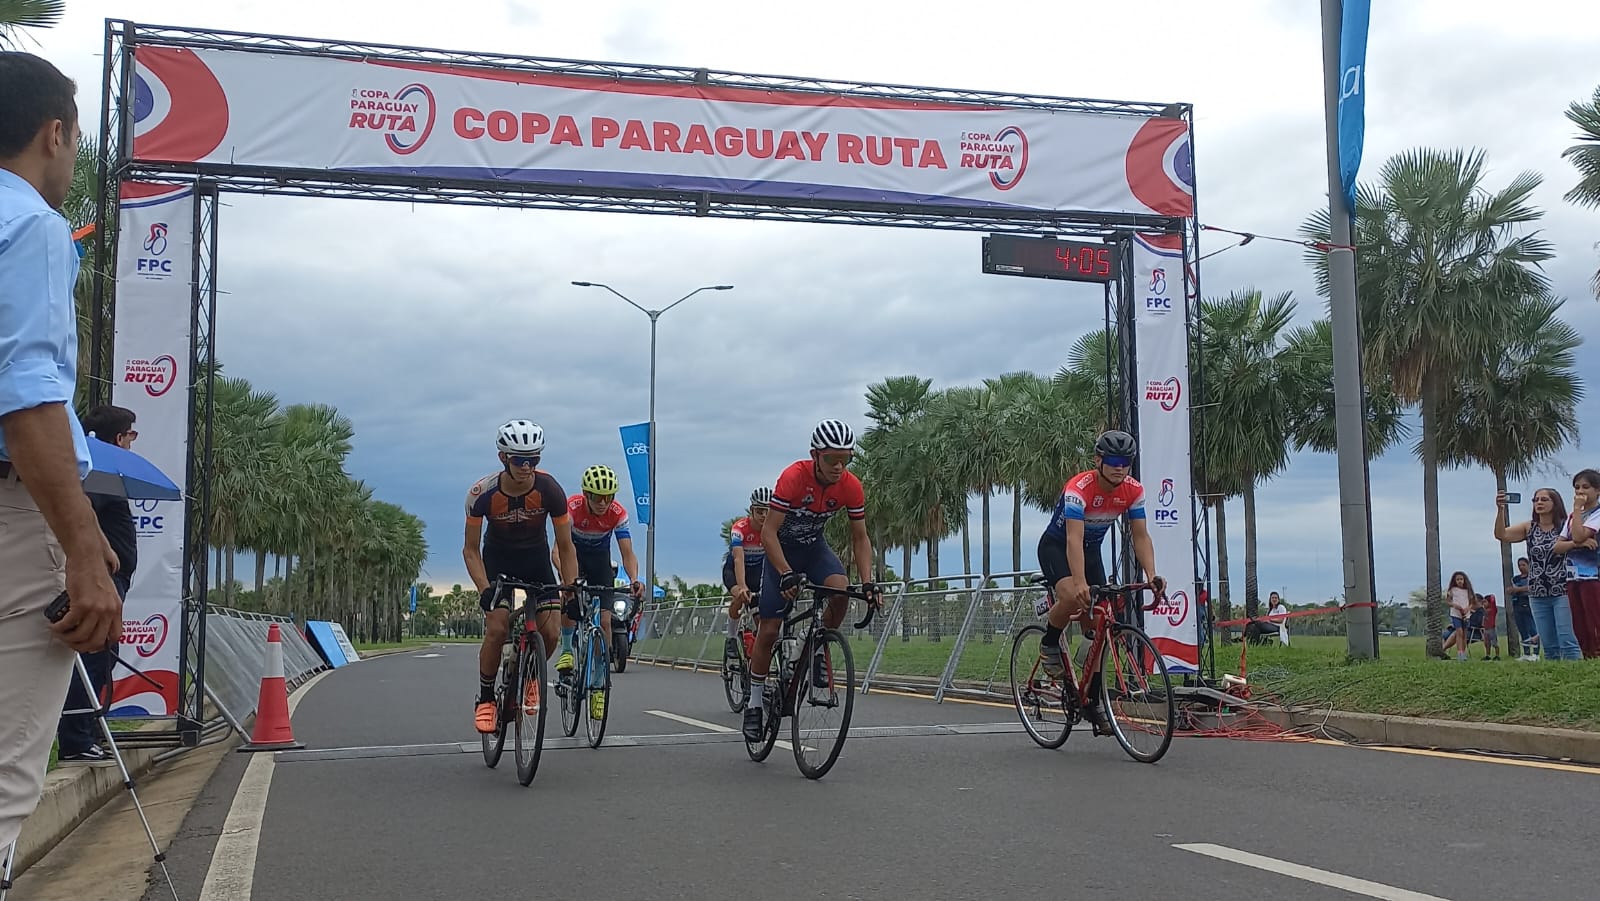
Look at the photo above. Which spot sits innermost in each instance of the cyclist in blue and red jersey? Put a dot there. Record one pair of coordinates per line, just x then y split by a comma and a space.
1069, 550
597, 518
507, 511
807, 495
741, 566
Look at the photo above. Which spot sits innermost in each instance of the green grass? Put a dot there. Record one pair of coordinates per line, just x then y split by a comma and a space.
1402, 682
1313, 671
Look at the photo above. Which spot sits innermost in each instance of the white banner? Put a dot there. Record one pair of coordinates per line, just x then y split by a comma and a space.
428, 120
155, 265
1164, 468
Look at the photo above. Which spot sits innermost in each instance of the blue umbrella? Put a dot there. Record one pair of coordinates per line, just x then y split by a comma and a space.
123, 473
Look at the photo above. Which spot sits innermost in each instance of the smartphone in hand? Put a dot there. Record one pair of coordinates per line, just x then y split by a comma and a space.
1513, 497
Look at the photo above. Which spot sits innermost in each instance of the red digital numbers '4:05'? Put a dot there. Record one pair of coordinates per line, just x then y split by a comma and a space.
1059, 258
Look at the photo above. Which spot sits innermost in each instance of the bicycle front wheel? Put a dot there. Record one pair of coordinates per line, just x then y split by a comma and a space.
824, 689
1040, 699
573, 696
598, 682
494, 743
1136, 694
529, 731
736, 680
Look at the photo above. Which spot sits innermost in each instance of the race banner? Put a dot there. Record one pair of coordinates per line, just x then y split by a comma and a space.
636, 448
155, 266
1163, 374
385, 117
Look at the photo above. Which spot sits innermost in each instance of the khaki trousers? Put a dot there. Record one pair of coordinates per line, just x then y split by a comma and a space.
35, 667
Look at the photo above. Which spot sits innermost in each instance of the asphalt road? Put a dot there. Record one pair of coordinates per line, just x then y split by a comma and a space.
964, 815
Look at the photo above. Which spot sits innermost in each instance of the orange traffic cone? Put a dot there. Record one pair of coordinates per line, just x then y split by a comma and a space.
272, 731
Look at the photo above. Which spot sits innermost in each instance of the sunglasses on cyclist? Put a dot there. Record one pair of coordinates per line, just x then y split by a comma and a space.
1115, 460
599, 498
836, 459
522, 460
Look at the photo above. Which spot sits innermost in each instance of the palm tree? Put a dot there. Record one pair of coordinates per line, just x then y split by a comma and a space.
1519, 408
970, 422
1247, 404
1585, 156
1312, 415
1012, 389
1087, 372
16, 15
1437, 262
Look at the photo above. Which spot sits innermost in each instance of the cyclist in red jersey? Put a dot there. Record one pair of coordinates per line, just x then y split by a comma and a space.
1069, 550
807, 495
516, 502
741, 566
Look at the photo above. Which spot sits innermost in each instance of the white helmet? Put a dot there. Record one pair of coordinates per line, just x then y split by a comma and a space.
761, 497
519, 436
831, 434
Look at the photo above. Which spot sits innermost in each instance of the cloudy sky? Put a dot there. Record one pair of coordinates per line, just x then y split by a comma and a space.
430, 325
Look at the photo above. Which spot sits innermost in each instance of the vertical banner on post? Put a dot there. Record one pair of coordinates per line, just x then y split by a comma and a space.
1164, 467
1352, 86
155, 276
636, 447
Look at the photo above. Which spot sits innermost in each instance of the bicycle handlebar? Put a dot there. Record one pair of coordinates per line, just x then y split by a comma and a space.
1116, 591
851, 591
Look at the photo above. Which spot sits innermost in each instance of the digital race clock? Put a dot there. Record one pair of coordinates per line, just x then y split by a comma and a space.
1078, 261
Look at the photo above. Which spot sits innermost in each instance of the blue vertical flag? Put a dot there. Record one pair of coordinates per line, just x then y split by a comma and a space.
636, 447
413, 597
1352, 88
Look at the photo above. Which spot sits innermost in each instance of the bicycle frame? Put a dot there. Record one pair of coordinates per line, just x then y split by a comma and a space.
1109, 602
812, 615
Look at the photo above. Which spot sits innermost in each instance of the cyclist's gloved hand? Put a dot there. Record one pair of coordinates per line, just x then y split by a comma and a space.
636, 589
873, 593
486, 598
790, 582
1160, 584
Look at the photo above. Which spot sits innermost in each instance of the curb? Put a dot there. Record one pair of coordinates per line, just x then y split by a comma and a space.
1447, 735
72, 793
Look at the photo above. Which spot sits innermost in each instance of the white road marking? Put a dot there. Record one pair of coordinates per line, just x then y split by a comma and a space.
233, 862
426, 656
1309, 874
710, 727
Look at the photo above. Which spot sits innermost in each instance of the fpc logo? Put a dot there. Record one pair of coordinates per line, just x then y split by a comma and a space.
1158, 281
148, 522
1156, 300
152, 265
1004, 154
1166, 392
405, 117
1166, 496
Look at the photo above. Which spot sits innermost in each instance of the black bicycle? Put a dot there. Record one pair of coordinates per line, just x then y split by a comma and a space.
812, 695
519, 686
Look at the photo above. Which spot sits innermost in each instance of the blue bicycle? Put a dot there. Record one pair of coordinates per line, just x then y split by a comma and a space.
588, 695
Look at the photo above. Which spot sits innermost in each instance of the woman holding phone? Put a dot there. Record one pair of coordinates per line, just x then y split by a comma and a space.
1547, 574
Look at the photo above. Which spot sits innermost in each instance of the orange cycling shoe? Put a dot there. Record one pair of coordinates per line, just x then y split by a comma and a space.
485, 717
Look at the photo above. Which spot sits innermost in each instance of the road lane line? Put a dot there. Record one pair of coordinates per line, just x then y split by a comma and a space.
233, 860
1309, 874
710, 727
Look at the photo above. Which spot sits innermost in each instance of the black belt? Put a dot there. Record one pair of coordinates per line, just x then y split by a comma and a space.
5, 470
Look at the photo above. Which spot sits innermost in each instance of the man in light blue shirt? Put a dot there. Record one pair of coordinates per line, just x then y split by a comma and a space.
49, 537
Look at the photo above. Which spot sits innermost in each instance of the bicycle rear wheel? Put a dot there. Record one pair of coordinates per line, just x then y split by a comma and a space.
824, 698
736, 680
529, 731
1136, 694
494, 743
772, 716
1040, 699
573, 694
600, 673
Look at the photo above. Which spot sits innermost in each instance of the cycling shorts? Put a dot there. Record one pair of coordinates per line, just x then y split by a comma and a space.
595, 571
817, 561
530, 565
752, 576
1053, 562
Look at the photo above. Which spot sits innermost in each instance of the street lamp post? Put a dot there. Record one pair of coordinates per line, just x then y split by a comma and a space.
655, 315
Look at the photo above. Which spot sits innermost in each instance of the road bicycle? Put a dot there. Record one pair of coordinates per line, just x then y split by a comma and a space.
736, 666
587, 696
810, 695
1135, 693
519, 685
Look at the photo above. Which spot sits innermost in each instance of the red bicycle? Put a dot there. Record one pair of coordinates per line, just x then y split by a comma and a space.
1135, 693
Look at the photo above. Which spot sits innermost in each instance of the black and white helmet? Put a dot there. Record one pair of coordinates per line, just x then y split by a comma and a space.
761, 497
832, 434
520, 436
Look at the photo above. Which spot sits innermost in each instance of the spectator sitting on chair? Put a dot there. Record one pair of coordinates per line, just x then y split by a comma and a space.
78, 734
1257, 630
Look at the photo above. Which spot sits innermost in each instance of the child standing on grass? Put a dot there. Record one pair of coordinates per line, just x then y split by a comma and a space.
1487, 616
1461, 596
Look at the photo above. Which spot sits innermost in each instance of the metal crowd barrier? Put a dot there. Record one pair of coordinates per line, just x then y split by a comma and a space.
236, 648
